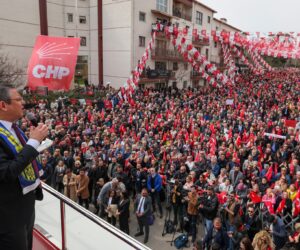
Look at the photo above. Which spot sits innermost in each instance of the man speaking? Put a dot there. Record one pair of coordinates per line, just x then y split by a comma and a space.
19, 173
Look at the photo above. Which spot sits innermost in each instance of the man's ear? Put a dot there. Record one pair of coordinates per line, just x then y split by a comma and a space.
3, 106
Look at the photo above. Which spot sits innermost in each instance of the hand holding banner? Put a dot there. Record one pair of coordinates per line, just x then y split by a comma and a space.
53, 62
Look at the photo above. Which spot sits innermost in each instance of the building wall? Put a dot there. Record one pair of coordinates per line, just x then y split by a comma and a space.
117, 41
19, 26
18, 29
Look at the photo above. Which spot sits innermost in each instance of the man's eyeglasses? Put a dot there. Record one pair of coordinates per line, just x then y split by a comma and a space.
250, 211
19, 99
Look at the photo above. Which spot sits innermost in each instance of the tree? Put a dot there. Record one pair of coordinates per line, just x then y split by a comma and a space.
10, 71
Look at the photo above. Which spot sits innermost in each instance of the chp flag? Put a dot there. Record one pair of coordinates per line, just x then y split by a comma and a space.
52, 63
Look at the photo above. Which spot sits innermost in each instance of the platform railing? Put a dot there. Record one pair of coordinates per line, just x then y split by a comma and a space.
70, 226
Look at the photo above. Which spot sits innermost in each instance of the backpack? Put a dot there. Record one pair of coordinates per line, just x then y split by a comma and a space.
150, 219
181, 241
170, 228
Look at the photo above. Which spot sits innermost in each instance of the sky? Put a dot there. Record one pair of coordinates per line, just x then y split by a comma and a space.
259, 15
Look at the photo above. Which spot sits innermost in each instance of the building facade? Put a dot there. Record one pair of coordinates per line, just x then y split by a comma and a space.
127, 26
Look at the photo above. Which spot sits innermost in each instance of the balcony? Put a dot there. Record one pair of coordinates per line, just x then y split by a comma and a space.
178, 13
185, 2
161, 35
202, 41
156, 75
165, 54
195, 75
161, 13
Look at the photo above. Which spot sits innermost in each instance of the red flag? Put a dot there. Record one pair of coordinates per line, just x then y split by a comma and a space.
269, 173
88, 102
147, 126
102, 114
130, 118
281, 206
290, 123
197, 157
187, 136
52, 63
255, 198
165, 156
112, 129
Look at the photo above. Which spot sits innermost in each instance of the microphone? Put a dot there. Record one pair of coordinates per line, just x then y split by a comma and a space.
32, 118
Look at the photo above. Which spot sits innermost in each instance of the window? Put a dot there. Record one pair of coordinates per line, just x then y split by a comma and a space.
142, 16
160, 44
175, 66
160, 66
199, 17
174, 84
70, 36
82, 41
185, 84
162, 5
142, 41
217, 27
206, 53
82, 19
70, 17
208, 19
185, 65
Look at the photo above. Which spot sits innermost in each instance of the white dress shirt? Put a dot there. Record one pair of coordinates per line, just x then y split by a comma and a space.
141, 205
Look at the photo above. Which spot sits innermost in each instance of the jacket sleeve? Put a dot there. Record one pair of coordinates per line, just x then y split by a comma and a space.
148, 209
124, 206
11, 169
85, 185
149, 183
158, 182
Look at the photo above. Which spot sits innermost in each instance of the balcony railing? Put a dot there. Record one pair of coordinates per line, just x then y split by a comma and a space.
179, 14
201, 41
156, 73
185, 2
165, 54
195, 75
69, 226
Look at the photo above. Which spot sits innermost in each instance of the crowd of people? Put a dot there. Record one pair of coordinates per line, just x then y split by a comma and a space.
187, 152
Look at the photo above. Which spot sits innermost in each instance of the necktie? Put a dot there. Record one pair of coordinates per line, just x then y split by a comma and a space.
18, 134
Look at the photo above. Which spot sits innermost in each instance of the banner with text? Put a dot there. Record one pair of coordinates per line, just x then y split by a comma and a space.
52, 63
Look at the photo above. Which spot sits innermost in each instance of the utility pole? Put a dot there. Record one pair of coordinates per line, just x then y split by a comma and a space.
43, 17
100, 43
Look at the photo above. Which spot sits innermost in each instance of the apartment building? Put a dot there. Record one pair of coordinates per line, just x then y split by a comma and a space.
127, 26
216, 52
20, 25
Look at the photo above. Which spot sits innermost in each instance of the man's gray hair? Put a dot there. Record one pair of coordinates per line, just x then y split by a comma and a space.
4, 92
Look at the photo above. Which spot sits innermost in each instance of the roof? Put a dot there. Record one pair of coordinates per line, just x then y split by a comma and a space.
220, 21
205, 6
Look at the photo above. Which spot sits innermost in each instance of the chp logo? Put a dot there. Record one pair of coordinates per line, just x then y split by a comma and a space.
52, 63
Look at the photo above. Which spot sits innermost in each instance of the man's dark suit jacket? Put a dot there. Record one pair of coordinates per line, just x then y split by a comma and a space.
147, 206
16, 209
124, 208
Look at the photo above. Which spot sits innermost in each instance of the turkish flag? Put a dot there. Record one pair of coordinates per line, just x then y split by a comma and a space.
52, 63
290, 123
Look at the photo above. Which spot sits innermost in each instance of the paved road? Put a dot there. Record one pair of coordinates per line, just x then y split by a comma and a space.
156, 240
